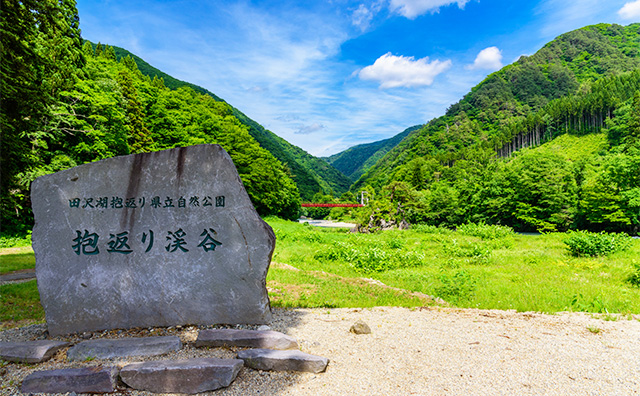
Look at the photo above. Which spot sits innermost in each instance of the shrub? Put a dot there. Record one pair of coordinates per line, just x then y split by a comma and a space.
7, 241
429, 229
371, 258
589, 244
485, 231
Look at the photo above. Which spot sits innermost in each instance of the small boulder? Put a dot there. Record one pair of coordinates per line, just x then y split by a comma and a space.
360, 327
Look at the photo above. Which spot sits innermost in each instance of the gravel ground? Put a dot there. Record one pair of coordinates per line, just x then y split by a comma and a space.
426, 351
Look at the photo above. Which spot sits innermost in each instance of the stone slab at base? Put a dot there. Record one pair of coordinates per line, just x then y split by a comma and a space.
181, 376
245, 338
30, 351
124, 347
293, 360
82, 380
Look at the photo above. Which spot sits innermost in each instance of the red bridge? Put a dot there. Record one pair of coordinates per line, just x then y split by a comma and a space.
330, 205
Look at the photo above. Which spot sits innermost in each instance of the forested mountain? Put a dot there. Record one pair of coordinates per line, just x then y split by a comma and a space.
310, 173
584, 82
66, 103
356, 160
551, 142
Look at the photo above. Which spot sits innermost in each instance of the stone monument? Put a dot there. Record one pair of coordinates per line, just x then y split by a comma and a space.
154, 239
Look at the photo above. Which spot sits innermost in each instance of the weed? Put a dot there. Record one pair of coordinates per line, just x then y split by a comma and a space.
395, 244
594, 330
457, 286
634, 278
594, 305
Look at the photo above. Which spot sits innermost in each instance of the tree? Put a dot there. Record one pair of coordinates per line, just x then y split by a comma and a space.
40, 48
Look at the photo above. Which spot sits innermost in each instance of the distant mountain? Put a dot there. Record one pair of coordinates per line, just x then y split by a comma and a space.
356, 160
311, 174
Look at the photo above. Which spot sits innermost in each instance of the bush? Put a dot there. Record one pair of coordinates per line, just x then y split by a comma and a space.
430, 229
371, 258
485, 231
7, 241
589, 244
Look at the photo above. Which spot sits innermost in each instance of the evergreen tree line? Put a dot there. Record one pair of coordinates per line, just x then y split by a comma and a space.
575, 181
581, 113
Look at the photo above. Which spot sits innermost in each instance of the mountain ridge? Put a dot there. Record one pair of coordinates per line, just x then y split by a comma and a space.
310, 173
356, 160
512, 93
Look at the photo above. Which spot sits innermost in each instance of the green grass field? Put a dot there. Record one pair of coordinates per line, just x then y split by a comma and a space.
502, 271
477, 267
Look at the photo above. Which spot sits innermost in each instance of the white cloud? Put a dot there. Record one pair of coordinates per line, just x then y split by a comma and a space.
630, 10
414, 8
400, 71
489, 58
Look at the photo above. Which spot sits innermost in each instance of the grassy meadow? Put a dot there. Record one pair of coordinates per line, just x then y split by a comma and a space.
476, 266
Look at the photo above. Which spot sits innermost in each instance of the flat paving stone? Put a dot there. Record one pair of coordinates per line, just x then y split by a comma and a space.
292, 360
181, 376
245, 338
124, 347
81, 380
30, 351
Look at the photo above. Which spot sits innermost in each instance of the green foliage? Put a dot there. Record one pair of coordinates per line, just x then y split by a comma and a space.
456, 286
485, 231
501, 273
40, 48
309, 173
94, 107
465, 166
634, 278
8, 241
588, 244
368, 258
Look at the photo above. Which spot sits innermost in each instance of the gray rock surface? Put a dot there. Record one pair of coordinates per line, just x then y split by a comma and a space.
81, 380
154, 239
245, 338
30, 351
181, 376
124, 347
360, 327
291, 360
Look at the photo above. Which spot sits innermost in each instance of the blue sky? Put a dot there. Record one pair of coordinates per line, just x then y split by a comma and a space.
327, 75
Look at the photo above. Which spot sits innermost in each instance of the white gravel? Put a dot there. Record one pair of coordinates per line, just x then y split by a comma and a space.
427, 351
